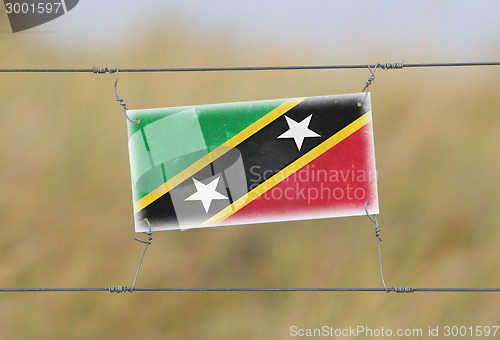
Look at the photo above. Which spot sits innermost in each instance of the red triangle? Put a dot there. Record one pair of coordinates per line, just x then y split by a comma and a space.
335, 184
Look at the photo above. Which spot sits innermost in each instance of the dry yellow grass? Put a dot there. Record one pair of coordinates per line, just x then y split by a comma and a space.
66, 211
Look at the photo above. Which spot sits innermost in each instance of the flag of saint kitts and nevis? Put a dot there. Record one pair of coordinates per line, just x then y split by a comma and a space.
252, 162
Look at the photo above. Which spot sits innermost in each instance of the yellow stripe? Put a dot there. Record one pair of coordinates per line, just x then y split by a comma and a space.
290, 169
218, 152
259, 124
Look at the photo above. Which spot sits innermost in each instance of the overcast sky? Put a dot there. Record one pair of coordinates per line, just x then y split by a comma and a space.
451, 29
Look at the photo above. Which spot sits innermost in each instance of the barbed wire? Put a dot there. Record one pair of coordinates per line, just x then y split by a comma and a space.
120, 289
397, 65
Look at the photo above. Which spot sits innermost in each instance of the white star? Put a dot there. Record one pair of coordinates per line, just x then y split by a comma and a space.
206, 193
298, 131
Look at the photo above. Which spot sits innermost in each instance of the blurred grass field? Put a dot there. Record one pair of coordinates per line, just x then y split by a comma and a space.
66, 210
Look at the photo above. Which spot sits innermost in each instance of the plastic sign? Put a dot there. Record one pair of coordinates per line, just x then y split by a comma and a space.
252, 162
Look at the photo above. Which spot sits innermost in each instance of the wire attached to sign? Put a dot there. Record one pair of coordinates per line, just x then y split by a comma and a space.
147, 243
368, 83
371, 78
377, 234
123, 289
118, 98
